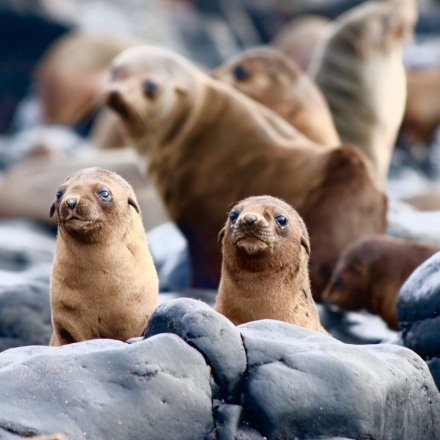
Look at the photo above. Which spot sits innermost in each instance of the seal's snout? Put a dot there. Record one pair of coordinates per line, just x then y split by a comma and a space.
250, 219
71, 202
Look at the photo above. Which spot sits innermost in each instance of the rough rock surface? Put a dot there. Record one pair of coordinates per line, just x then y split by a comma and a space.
209, 332
418, 312
157, 389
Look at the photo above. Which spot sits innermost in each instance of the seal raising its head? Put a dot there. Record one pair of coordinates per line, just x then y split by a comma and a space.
104, 283
266, 251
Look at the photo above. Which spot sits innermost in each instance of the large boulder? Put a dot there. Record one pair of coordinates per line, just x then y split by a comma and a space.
418, 309
301, 384
195, 376
157, 389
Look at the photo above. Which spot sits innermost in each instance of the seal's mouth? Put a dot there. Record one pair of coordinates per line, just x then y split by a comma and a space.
251, 244
131, 118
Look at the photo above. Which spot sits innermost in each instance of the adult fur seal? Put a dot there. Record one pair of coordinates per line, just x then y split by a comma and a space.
274, 80
209, 145
371, 271
360, 71
265, 273
104, 283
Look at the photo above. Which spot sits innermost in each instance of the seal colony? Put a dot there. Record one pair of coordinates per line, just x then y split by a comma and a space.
370, 273
209, 145
103, 283
359, 69
264, 273
277, 82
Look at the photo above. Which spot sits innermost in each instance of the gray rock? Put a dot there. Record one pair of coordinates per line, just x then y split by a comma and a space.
24, 315
418, 309
24, 244
156, 389
211, 333
301, 384
434, 367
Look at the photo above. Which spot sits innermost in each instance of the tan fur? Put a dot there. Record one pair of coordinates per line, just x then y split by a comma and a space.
360, 71
298, 38
103, 283
265, 266
370, 273
210, 145
422, 112
272, 79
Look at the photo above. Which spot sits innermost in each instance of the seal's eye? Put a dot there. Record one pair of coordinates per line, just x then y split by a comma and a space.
59, 194
233, 216
150, 88
240, 73
281, 221
105, 194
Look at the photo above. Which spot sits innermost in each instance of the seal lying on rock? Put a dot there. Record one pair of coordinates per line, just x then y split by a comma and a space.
104, 283
269, 77
265, 273
370, 273
360, 71
209, 145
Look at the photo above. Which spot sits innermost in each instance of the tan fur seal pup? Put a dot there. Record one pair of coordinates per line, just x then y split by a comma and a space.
209, 145
360, 71
104, 283
370, 273
270, 78
265, 274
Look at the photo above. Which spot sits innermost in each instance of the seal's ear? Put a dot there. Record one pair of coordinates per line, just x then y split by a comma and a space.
305, 243
134, 204
221, 234
52, 209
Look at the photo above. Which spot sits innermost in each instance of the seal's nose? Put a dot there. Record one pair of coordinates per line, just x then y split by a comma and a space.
71, 203
250, 219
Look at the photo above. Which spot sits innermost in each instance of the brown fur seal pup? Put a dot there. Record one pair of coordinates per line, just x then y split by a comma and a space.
104, 283
422, 112
360, 71
270, 78
370, 273
209, 145
265, 273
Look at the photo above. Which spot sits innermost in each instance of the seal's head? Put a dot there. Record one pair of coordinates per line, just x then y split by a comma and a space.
263, 234
92, 204
149, 88
265, 75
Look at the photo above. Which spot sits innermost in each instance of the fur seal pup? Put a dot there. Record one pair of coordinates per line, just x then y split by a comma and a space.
103, 283
265, 246
370, 273
208, 145
277, 82
359, 69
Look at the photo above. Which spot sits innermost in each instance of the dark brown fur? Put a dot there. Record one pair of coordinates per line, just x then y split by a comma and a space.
371, 271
